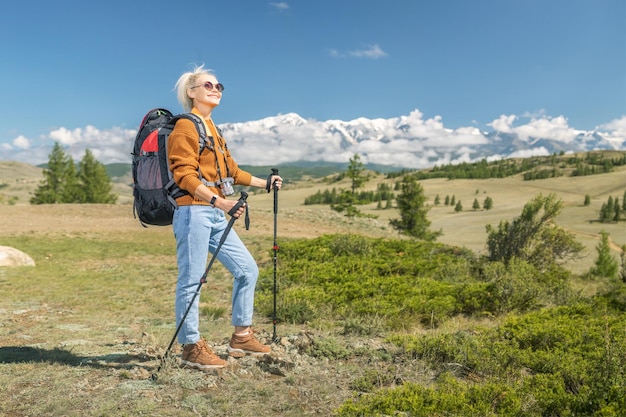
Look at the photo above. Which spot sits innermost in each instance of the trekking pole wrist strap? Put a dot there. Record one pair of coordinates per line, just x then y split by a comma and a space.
241, 202
269, 183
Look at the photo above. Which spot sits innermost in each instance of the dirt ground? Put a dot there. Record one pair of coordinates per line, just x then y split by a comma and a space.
69, 218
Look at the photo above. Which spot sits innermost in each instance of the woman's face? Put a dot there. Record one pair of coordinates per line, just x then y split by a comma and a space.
205, 91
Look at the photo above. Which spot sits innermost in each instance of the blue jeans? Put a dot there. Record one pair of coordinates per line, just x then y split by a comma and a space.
198, 230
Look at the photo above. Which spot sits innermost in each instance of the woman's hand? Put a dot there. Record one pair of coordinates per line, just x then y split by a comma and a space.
276, 181
227, 205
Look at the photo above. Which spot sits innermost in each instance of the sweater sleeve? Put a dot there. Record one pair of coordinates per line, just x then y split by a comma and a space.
183, 148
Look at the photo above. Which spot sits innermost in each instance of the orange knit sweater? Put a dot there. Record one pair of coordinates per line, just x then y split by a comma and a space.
183, 148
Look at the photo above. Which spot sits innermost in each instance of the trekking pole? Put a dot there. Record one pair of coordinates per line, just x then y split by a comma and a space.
203, 279
275, 248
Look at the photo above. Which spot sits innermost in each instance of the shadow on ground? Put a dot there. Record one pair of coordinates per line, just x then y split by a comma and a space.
27, 354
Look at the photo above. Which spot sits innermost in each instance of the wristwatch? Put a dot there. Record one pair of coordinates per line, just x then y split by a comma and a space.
213, 200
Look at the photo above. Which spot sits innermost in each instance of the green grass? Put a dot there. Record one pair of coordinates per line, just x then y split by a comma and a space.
83, 328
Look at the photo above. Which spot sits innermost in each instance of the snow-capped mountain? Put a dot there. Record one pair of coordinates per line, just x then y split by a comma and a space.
407, 141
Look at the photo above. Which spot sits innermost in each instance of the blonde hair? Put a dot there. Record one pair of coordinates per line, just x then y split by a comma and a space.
186, 81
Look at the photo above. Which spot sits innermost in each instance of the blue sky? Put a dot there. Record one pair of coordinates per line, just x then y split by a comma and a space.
74, 64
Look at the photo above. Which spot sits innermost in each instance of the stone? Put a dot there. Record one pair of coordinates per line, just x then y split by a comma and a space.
13, 257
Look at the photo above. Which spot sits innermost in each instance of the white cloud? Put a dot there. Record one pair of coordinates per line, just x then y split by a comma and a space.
370, 52
550, 128
542, 126
411, 141
467, 136
279, 5
503, 124
112, 145
69, 137
617, 126
527, 153
21, 142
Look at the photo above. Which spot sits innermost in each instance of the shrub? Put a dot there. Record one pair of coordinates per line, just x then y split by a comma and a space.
400, 282
564, 361
533, 236
328, 348
371, 380
449, 397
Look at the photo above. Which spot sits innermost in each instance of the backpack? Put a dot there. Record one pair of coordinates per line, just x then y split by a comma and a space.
154, 189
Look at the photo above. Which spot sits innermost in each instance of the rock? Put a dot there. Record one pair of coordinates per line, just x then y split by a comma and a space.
13, 257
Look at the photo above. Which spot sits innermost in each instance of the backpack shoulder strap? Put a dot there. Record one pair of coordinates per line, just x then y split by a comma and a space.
205, 140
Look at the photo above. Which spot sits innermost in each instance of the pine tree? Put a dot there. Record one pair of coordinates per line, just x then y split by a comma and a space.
347, 199
610, 208
355, 173
95, 183
60, 171
458, 207
413, 221
587, 200
604, 213
488, 203
622, 271
605, 265
63, 183
476, 204
618, 211
72, 189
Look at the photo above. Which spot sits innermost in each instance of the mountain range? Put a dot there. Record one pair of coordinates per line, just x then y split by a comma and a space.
408, 141
405, 141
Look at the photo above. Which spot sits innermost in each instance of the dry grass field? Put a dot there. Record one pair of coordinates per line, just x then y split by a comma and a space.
71, 346
466, 228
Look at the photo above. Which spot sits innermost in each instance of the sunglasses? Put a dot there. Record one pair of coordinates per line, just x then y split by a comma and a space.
209, 86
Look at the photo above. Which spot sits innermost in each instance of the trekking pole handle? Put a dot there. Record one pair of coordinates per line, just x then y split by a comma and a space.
240, 202
271, 184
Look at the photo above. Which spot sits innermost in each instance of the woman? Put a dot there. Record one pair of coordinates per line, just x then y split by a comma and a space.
200, 220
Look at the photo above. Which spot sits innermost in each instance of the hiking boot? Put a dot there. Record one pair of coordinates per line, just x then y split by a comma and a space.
240, 346
201, 356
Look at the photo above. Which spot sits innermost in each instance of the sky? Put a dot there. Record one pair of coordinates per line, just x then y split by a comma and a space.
76, 71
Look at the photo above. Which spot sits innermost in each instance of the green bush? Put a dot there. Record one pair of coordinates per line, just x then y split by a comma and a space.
328, 348
371, 380
563, 361
552, 353
448, 397
400, 281
359, 326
